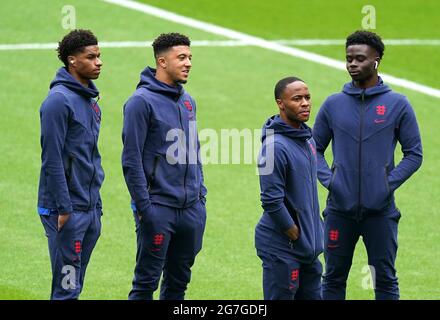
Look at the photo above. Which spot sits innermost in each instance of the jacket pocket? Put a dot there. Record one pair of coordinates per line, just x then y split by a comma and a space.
332, 178
152, 176
76, 134
376, 192
69, 168
303, 245
66, 223
79, 179
343, 189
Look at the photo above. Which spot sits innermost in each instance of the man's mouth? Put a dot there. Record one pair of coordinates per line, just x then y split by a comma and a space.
354, 72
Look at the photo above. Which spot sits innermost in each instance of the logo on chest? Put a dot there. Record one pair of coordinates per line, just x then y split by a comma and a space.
312, 148
97, 111
189, 107
380, 111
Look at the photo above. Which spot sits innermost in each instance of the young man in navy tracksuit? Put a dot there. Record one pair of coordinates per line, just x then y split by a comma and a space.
288, 237
163, 173
69, 202
364, 122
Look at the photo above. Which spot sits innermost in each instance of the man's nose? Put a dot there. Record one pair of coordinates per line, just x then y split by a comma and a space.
353, 64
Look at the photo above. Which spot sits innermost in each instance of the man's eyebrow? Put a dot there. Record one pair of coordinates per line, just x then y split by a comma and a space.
300, 95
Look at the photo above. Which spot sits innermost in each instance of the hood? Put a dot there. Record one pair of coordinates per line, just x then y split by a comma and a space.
64, 78
149, 81
380, 88
280, 127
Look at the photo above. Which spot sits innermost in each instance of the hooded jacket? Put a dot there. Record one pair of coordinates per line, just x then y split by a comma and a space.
160, 155
71, 172
289, 192
364, 126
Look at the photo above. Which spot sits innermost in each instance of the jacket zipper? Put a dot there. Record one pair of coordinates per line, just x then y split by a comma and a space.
93, 177
358, 217
93, 153
186, 156
310, 155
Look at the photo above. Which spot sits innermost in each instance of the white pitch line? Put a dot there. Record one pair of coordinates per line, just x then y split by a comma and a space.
235, 35
28, 46
337, 42
219, 43
121, 44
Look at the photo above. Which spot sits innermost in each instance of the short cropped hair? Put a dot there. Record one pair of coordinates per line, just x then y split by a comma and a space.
366, 37
282, 84
167, 40
74, 42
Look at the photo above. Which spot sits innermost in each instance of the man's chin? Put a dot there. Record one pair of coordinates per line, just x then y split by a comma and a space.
182, 81
357, 77
93, 76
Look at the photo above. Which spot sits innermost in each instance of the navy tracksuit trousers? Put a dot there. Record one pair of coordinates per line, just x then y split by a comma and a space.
70, 249
285, 278
168, 240
379, 234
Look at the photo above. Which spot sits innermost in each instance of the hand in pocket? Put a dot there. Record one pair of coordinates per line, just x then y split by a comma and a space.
62, 219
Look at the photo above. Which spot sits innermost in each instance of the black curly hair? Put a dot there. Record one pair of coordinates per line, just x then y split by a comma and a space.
74, 42
168, 40
282, 84
366, 37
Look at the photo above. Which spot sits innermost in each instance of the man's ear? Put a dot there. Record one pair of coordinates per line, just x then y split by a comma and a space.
280, 104
162, 62
71, 61
376, 63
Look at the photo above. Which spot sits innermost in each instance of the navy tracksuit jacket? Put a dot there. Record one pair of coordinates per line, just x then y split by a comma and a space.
165, 180
364, 126
289, 196
70, 179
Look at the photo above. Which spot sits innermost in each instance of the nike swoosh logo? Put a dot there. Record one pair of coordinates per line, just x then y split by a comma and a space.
378, 121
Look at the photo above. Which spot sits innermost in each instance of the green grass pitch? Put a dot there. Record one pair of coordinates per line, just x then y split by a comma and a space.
233, 87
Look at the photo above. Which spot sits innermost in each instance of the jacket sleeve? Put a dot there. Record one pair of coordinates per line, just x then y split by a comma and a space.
203, 190
273, 187
134, 135
408, 136
54, 119
322, 134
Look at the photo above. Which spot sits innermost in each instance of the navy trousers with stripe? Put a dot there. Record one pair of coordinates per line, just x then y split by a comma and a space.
379, 234
168, 240
70, 249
